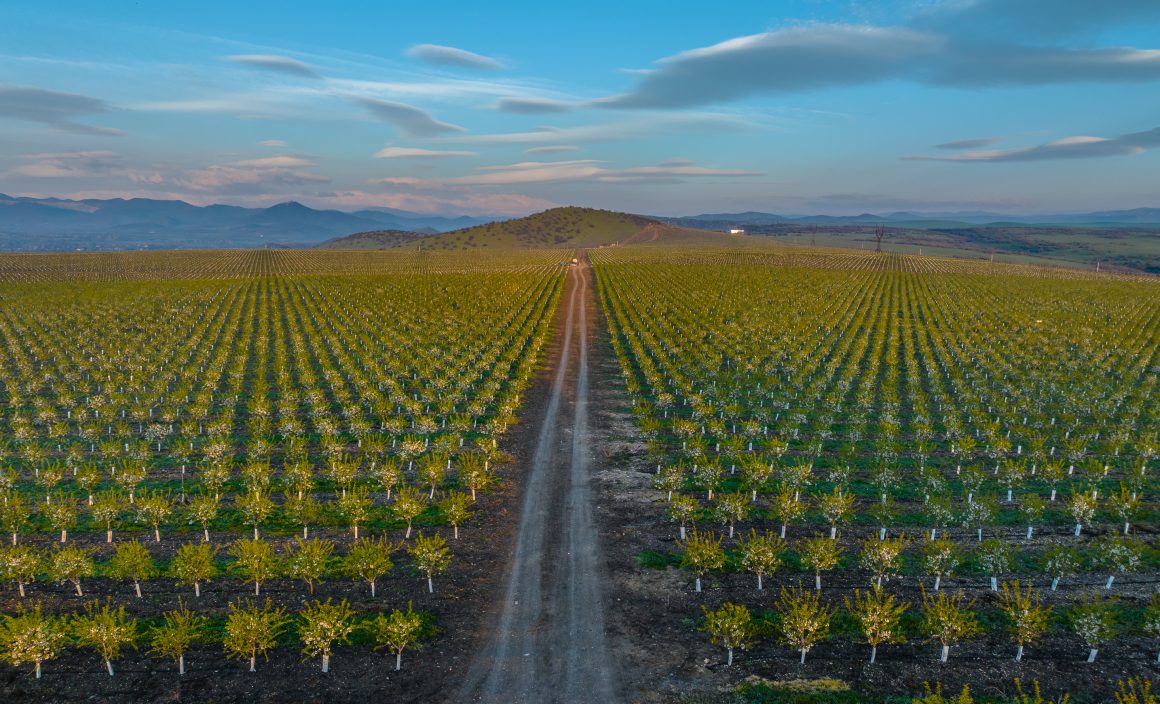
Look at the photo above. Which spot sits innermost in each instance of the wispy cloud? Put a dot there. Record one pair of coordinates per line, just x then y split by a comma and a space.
272, 143
66, 164
275, 63
969, 143
451, 56
252, 176
532, 106
417, 153
553, 149
630, 129
574, 170
816, 56
408, 119
52, 108
1079, 147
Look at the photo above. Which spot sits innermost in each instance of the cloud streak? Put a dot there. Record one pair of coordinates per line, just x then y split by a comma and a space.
408, 119
451, 56
571, 171
1079, 147
819, 56
416, 153
532, 106
275, 63
52, 108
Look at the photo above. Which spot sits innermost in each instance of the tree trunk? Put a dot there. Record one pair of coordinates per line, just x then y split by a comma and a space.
980, 535
833, 532
255, 531
783, 531
873, 653
1108, 584
455, 531
137, 588
1078, 528
37, 669
1018, 653
109, 665
698, 584
257, 587
1053, 494
1126, 526
356, 532
197, 590
933, 533
994, 584
78, 586
430, 585
408, 535
181, 664
803, 660
156, 534
398, 661
682, 532
325, 662
253, 660
63, 536
205, 535
937, 581
108, 536
759, 587
882, 533
946, 650
1054, 583
1030, 530
729, 657
372, 589
1092, 655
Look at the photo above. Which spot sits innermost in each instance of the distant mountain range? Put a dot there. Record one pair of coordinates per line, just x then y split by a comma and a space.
53, 224
715, 221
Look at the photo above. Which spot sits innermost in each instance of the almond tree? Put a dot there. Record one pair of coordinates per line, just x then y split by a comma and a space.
202, 510
836, 508
455, 508
1026, 613
355, 507
731, 627
940, 557
256, 507
251, 630
805, 621
948, 619
323, 625
994, 558
1032, 507
304, 510
307, 560
730, 509
70, 563
173, 636
62, 515
786, 507
882, 557
431, 557
1125, 506
878, 616
30, 637
397, 632
1152, 619
1118, 556
1093, 619
820, 554
1082, 507
105, 630
193, 564
255, 559
106, 508
153, 508
368, 559
132, 560
701, 553
761, 554
14, 514
683, 510
20, 564
409, 504
1059, 562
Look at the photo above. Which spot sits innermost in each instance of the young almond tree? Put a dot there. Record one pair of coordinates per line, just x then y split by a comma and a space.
701, 553
1031, 506
805, 621
252, 630
255, 559
323, 626
70, 563
1059, 562
1082, 507
1152, 620
355, 507
173, 636
786, 507
1125, 506
683, 510
822, 555
455, 507
397, 632
62, 515
106, 509
409, 504
304, 510
1094, 619
14, 514
940, 557
368, 560
994, 558
761, 554
20, 564
193, 564
203, 509
256, 507
730, 509
133, 561
105, 630
836, 507
878, 616
731, 627
431, 557
31, 637
154, 508
308, 559
948, 619
882, 557
1118, 556
1026, 614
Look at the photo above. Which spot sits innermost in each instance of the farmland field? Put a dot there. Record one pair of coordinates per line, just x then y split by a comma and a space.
224, 430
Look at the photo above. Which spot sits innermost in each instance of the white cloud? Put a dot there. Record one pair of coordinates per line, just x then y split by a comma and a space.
451, 56
416, 153
275, 63
52, 108
552, 149
631, 129
1077, 147
408, 119
272, 143
574, 170
532, 106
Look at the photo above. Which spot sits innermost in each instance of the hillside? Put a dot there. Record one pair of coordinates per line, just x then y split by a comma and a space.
562, 227
375, 239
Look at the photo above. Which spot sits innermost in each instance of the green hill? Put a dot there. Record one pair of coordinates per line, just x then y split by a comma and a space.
558, 227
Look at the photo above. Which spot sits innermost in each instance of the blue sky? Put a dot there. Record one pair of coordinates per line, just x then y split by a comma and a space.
652, 107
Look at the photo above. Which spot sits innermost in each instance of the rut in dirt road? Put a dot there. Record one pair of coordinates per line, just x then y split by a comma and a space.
549, 642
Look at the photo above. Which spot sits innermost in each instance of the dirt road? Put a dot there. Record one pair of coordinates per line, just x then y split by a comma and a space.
549, 643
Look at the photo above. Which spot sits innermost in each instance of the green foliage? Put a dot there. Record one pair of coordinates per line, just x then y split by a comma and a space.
252, 630
948, 618
1025, 611
730, 626
308, 559
431, 556
28, 636
368, 559
701, 553
131, 560
397, 631
1093, 618
254, 559
106, 630
178, 630
324, 624
878, 615
805, 621
193, 564
935, 695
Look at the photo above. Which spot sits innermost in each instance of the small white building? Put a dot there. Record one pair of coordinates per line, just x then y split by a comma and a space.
737, 231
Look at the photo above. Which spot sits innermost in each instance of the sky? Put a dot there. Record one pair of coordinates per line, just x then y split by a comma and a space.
509, 107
